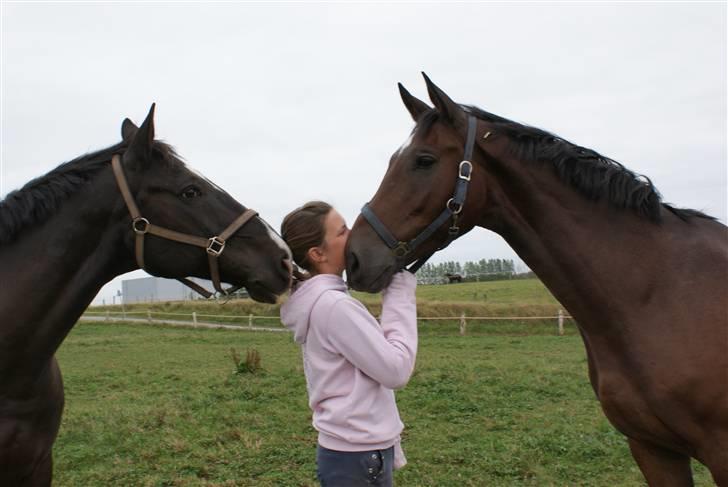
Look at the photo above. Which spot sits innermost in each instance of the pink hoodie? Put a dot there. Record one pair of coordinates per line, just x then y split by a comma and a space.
352, 364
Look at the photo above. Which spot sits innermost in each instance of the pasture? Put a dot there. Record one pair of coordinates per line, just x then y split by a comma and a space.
507, 404
516, 297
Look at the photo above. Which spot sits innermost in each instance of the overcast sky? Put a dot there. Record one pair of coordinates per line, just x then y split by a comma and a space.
282, 103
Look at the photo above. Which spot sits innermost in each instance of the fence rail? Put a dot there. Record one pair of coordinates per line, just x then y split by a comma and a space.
194, 319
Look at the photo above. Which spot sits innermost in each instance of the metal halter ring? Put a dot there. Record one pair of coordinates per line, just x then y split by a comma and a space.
401, 249
470, 170
215, 246
137, 230
457, 211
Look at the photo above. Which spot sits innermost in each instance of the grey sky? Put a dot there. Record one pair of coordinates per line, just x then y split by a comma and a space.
282, 103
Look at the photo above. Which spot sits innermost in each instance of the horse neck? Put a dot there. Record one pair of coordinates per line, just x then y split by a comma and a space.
57, 267
585, 252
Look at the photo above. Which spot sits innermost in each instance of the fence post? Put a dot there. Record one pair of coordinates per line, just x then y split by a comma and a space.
107, 315
463, 324
561, 322
149, 316
250, 320
194, 318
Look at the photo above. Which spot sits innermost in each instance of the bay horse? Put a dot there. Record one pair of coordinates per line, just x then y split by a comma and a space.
65, 234
646, 282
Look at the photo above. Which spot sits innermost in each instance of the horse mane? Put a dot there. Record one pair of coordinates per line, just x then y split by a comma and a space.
41, 198
593, 175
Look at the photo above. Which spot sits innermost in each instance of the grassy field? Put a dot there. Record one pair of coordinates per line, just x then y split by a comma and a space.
156, 406
517, 297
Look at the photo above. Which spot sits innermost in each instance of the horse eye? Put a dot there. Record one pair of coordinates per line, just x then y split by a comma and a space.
425, 161
191, 192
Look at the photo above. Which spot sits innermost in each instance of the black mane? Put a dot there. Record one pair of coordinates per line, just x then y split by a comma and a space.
593, 175
40, 198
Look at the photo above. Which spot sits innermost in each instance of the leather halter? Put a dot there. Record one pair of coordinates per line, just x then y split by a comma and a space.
453, 207
214, 246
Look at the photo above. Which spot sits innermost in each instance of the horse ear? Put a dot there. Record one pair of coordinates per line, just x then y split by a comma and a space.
415, 106
141, 145
444, 104
128, 129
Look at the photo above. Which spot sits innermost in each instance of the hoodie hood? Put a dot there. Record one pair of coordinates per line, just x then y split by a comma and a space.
296, 312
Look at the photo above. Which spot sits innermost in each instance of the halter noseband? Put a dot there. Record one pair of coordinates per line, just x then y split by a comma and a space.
453, 207
213, 245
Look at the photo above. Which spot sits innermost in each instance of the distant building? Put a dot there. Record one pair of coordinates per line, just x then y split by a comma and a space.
152, 289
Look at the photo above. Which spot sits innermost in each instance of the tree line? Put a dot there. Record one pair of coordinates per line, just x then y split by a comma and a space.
482, 270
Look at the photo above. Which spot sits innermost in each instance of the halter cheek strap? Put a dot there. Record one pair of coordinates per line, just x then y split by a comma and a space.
453, 208
214, 246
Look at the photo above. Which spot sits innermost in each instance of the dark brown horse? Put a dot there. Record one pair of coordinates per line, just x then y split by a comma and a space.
65, 234
453, 278
646, 282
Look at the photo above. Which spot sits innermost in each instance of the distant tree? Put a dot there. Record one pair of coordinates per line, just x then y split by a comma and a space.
483, 269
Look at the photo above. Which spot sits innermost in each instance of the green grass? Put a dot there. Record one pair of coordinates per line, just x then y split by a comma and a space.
163, 406
513, 292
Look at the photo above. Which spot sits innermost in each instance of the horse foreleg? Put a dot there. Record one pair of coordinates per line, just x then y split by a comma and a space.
715, 456
661, 467
42, 473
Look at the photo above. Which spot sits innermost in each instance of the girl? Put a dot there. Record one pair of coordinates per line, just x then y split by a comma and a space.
352, 363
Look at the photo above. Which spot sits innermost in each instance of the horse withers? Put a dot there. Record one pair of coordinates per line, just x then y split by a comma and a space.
646, 282
65, 234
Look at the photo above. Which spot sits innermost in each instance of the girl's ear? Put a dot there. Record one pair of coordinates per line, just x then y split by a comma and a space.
316, 255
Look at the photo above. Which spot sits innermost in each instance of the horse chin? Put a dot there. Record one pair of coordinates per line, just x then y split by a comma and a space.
261, 294
264, 284
373, 285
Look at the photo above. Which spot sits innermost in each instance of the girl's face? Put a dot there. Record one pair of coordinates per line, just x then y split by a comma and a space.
329, 256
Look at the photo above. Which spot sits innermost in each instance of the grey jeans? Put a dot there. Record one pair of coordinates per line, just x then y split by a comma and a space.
354, 468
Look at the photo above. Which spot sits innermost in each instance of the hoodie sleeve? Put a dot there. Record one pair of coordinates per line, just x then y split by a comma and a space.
385, 354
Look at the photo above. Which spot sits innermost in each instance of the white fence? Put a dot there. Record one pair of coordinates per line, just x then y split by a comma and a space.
240, 322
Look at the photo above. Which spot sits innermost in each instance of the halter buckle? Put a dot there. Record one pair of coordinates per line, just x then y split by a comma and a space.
137, 229
453, 231
401, 249
462, 175
215, 246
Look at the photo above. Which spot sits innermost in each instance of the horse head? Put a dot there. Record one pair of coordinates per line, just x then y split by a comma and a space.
172, 196
418, 197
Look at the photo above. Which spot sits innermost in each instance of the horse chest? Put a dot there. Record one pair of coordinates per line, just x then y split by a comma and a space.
633, 411
624, 408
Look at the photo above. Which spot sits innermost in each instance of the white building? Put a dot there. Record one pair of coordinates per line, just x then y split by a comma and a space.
151, 289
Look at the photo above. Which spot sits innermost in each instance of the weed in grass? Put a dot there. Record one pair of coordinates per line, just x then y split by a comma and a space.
251, 364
